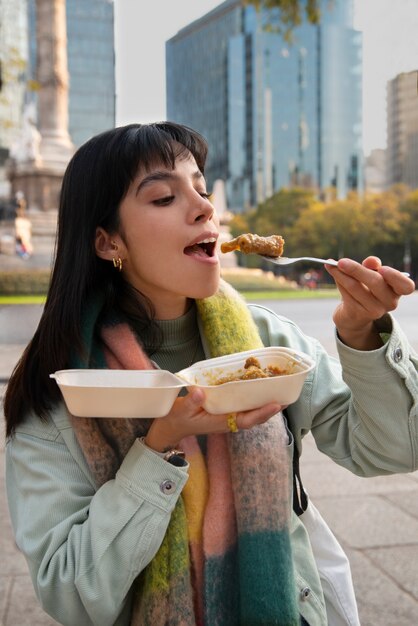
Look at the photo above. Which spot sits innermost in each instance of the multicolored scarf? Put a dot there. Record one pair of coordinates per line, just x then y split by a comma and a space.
226, 557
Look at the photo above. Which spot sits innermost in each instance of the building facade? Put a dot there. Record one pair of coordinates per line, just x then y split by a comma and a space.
375, 171
13, 67
276, 114
402, 130
91, 65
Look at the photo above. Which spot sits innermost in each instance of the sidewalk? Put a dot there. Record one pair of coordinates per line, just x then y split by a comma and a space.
375, 519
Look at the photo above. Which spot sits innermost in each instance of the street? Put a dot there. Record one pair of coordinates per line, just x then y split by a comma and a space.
18, 323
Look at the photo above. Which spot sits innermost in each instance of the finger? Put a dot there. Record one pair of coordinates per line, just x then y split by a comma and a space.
367, 274
392, 278
372, 263
195, 396
371, 298
248, 419
190, 404
401, 284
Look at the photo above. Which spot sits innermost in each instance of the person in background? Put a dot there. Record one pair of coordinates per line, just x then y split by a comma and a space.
23, 228
190, 518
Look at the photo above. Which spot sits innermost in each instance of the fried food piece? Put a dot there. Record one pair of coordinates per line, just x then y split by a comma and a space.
253, 369
254, 244
252, 361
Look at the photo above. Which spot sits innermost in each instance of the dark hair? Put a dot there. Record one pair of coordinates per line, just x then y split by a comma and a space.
95, 182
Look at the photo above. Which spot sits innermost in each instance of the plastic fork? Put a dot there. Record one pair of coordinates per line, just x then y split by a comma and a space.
287, 260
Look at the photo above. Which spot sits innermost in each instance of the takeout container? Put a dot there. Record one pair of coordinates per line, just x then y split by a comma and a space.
118, 393
243, 395
151, 393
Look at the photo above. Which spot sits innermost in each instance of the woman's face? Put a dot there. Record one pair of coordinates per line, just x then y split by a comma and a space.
168, 234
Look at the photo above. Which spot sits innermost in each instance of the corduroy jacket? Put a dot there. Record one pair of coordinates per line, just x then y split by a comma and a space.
85, 547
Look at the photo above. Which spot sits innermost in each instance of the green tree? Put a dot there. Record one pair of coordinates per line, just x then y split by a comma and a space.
279, 212
409, 213
332, 229
285, 15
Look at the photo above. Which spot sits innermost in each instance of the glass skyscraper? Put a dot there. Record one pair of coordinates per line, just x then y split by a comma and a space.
276, 114
13, 63
91, 65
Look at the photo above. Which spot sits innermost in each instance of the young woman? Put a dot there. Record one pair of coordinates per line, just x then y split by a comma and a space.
186, 519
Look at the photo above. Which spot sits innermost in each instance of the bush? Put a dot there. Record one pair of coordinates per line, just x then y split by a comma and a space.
24, 282
256, 280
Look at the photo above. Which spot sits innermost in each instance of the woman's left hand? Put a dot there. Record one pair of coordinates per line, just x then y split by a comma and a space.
368, 291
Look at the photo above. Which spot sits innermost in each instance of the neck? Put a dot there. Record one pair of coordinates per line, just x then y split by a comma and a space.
171, 310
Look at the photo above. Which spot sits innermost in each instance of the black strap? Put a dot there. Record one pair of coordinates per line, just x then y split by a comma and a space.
300, 497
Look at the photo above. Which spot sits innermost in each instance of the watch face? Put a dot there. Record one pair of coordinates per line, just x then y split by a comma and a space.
176, 457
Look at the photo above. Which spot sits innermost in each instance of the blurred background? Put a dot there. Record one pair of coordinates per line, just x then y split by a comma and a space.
309, 108
310, 111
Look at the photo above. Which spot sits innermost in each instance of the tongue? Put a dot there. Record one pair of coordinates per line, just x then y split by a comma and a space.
195, 251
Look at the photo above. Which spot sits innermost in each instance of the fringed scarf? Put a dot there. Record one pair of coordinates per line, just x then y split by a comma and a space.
226, 557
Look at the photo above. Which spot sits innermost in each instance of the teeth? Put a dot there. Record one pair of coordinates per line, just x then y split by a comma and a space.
209, 240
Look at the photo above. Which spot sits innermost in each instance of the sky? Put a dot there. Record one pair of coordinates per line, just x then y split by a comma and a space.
390, 46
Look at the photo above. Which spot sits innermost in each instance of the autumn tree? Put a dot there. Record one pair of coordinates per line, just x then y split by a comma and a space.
285, 15
409, 213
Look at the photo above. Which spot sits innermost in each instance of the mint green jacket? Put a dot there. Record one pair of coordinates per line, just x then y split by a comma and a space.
85, 547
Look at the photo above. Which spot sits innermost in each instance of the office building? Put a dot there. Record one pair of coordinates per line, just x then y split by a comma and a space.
13, 63
375, 171
402, 130
91, 65
276, 114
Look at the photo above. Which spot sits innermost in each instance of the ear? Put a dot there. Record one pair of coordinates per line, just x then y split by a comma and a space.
106, 245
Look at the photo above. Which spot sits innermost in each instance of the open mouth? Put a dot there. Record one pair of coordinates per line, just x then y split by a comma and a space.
205, 248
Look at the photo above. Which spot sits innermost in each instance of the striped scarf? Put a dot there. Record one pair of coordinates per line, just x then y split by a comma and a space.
225, 559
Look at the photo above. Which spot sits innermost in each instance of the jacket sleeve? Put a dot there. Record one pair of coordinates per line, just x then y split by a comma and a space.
84, 547
363, 408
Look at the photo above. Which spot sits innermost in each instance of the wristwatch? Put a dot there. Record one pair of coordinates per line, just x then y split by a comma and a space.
175, 457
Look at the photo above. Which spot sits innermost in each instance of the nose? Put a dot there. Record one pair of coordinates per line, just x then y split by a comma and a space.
202, 210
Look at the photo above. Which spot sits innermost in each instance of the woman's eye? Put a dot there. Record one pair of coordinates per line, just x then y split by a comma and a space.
205, 194
163, 201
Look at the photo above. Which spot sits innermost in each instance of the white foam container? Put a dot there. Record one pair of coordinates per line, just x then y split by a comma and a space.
118, 393
151, 393
243, 395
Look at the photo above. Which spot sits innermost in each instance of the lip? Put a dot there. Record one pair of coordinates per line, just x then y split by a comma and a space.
202, 237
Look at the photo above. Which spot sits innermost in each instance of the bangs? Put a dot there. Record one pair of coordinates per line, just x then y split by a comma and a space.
162, 143
101, 171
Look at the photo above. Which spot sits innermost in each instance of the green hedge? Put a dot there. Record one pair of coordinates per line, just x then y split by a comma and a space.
36, 281
17, 282
254, 280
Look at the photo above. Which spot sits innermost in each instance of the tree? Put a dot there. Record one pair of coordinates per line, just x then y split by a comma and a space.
285, 15
409, 213
279, 212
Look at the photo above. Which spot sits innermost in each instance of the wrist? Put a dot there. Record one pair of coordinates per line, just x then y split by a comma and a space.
364, 338
160, 439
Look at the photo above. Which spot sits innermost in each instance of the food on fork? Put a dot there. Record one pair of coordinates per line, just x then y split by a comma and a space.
255, 244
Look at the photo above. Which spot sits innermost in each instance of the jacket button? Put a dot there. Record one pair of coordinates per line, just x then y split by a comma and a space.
397, 355
305, 594
167, 487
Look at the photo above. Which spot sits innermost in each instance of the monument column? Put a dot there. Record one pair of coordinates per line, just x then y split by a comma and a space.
39, 161
52, 74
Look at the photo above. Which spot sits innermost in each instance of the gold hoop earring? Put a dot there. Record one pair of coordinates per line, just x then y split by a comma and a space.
117, 262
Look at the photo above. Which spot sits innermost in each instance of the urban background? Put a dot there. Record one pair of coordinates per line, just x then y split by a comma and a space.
282, 113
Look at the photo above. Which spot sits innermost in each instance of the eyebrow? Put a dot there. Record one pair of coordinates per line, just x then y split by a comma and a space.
163, 176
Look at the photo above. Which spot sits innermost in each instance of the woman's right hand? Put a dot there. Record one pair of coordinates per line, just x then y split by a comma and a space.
187, 417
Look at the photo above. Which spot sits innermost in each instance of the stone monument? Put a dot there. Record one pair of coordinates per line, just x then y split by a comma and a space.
39, 158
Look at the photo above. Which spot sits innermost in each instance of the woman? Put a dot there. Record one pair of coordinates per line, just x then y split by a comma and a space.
181, 519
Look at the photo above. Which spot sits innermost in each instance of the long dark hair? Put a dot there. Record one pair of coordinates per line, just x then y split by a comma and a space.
95, 182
